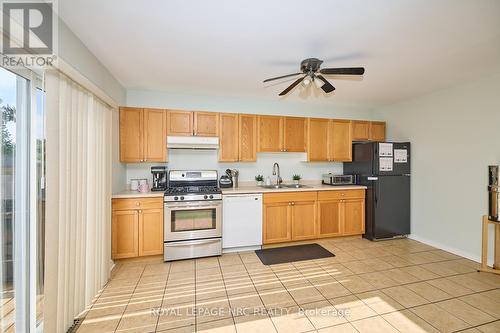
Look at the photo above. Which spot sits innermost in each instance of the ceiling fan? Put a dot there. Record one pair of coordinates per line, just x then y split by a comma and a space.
310, 69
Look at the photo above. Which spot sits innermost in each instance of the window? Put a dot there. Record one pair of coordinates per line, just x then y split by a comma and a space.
22, 156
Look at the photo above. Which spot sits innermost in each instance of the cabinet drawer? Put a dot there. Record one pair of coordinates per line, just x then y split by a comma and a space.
137, 203
290, 196
345, 194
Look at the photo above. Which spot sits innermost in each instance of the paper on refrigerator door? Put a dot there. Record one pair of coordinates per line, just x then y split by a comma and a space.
400, 156
385, 163
385, 149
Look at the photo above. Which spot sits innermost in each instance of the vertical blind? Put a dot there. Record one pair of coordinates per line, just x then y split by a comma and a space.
78, 231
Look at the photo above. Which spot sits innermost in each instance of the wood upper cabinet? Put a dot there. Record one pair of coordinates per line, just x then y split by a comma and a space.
340, 141
137, 227
270, 133
124, 234
247, 137
180, 123
360, 130
294, 134
143, 135
377, 131
317, 139
150, 232
155, 135
206, 123
238, 137
228, 137
289, 216
131, 135
189, 123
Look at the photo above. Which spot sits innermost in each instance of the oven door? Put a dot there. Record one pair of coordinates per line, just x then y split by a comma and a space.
192, 220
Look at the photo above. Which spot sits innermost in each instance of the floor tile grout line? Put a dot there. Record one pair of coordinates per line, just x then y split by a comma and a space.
163, 297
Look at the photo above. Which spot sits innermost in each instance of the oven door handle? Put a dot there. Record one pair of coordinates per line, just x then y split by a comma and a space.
194, 242
192, 206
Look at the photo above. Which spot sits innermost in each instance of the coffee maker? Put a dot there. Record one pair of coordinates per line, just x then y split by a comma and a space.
159, 178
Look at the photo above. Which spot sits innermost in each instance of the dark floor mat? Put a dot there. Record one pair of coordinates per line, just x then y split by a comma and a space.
281, 255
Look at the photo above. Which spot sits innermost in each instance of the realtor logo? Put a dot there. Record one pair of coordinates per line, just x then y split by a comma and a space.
27, 28
29, 33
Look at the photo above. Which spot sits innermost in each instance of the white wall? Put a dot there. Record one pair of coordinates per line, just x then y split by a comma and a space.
455, 135
290, 163
118, 170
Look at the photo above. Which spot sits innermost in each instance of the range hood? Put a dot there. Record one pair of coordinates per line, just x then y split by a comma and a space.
193, 142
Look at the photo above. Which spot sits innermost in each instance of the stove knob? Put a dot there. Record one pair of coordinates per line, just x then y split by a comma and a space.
211, 196
182, 198
205, 196
176, 198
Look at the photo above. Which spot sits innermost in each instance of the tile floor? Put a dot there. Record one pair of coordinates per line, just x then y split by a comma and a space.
391, 286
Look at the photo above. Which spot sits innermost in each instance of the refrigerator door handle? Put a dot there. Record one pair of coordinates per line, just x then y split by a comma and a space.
377, 190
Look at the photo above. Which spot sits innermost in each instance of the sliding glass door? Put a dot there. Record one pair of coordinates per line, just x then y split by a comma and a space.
21, 201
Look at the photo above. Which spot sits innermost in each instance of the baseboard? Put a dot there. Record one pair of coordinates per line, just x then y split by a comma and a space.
446, 248
241, 249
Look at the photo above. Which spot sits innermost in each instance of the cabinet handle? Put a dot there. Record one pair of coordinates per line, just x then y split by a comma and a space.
342, 194
137, 203
289, 204
140, 211
293, 203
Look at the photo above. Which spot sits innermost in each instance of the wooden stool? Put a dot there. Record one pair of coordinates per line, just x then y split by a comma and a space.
484, 255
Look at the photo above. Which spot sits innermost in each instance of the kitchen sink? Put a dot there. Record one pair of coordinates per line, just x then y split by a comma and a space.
274, 186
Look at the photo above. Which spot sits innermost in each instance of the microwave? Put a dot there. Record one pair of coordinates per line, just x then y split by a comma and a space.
330, 179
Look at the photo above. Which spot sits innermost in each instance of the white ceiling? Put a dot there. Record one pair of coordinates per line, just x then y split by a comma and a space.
227, 47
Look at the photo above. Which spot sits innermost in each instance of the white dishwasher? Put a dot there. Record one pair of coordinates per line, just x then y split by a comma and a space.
241, 221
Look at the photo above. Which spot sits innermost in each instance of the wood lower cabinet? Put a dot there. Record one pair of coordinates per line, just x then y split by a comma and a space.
150, 232
124, 234
341, 213
238, 137
137, 227
330, 218
289, 216
277, 222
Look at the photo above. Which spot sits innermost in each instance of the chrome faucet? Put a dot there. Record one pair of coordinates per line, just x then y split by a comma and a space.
276, 166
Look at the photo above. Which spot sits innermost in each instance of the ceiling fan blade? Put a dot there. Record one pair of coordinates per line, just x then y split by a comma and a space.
343, 71
281, 77
295, 83
327, 86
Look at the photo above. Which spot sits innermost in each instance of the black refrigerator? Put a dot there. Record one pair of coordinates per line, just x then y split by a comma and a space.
384, 168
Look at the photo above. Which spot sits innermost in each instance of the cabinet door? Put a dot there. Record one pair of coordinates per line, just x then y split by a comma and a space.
354, 217
155, 135
340, 141
248, 138
150, 232
131, 135
304, 220
206, 123
180, 123
294, 135
276, 224
317, 139
270, 131
124, 234
377, 131
229, 138
330, 218
360, 130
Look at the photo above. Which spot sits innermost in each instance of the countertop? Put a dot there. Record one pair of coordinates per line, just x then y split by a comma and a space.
246, 189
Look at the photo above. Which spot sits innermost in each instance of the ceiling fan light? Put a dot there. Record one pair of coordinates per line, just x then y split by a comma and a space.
306, 82
318, 82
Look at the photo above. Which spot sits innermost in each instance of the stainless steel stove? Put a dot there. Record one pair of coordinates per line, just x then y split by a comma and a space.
192, 215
